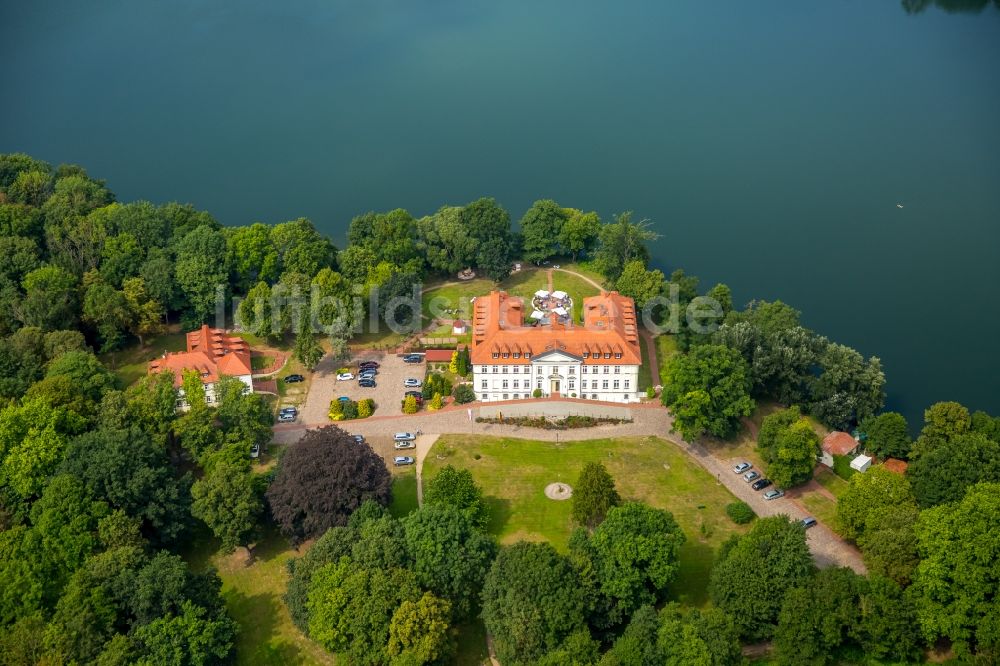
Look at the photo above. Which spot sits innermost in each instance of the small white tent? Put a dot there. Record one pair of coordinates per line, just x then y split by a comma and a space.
561, 312
559, 294
541, 293
537, 314
861, 463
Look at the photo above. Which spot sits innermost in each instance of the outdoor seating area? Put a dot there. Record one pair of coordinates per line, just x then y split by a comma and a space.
467, 274
551, 306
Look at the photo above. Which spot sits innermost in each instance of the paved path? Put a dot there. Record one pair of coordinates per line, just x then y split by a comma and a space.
424, 444
827, 547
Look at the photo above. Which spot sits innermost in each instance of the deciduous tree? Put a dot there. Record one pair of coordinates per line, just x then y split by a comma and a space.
887, 435
456, 488
594, 495
708, 390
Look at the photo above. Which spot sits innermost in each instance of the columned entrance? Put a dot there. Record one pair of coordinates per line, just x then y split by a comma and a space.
555, 386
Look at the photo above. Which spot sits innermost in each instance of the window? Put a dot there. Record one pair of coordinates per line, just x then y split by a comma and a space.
555, 369
482, 368
586, 354
539, 369
607, 354
484, 384
505, 396
572, 369
517, 369
626, 384
527, 354
504, 385
495, 369
516, 396
615, 386
593, 396
517, 354
504, 370
539, 384
527, 369
517, 384
583, 369
604, 384
496, 355
618, 369
607, 368
572, 385
505, 354
484, 397
618, 354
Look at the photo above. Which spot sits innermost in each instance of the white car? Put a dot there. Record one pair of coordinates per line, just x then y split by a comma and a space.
404, 437
741, 467
405, 445
345, 377
411, 382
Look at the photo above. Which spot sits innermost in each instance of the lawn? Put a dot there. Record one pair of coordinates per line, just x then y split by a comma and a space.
666, 347
258, 363
526, 282
513, 474
645, 378
132, 363
830, 481
253, 596
404, 492
452, 300
820, 506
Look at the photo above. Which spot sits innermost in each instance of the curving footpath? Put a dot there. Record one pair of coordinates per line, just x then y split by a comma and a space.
828, 548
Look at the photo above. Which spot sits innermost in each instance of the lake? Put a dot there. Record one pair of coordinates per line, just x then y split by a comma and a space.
769, 142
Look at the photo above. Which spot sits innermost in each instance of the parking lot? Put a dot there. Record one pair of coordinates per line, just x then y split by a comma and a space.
387, 394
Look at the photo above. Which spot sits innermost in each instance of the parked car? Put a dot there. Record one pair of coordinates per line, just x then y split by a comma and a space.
343, 398
368, 364
367, 383
413, 358
345, 377
760, 484
286, 417
751, 476
415, 394
808, 522
410, 382
294, 379
289, 410
739, 468
359, 439
774, 493
368, 372
255, 451
404, 437
405, 445
398, 461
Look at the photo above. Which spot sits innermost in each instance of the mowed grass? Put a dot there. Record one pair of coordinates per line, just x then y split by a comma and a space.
132, 363
513, 474
253, 596
666, 347
821, 507
830, 481
404, 492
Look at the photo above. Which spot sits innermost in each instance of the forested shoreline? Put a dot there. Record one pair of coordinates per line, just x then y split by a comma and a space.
102, 486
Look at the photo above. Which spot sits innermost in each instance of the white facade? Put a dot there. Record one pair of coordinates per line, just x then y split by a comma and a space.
558, 372
210, 399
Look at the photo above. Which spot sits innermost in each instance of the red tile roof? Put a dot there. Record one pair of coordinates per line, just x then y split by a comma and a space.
211, 352
609, 328
895, 465
839, 443
438, 355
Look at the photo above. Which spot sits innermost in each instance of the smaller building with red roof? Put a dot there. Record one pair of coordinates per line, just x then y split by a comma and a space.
895, 465
838, 443
212, 353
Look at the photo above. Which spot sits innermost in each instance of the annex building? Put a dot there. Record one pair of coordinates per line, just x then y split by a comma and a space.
212, 353
598, 360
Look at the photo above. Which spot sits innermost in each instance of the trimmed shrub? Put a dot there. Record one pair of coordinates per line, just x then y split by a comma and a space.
410, 405
464, 393
740, 512
537, 393
336, 410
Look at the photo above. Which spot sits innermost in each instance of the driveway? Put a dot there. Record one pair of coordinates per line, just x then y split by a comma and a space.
387, 394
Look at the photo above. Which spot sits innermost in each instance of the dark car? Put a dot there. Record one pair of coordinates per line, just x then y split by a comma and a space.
367, 383
760, 484
294, 379
415, 394
413, 358
368, 364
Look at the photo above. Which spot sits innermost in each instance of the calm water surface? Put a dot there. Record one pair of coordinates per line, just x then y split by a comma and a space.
769, 141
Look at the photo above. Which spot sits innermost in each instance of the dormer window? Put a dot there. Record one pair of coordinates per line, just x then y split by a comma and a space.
496, 354
586, 354
505, 354
607, 355
527, 354
618, 355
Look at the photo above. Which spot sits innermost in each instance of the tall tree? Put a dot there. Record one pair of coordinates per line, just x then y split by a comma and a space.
875, 489
887, 435
228, 500
594, 495
818, 618
489, 225
253, 256
303, 249
941, 472
708, 390
456, 488
579, 233
956, 582
754, 571
322, 479
419, 632
541, 227
639, 283
622, 241
50, 299
201, 271
849, 389
790, 462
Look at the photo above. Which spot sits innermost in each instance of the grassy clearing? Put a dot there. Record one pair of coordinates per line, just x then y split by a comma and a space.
820, 506
513, 474
831, 481
449, 301
253, 598
645, 378
132, 363
259, 363
382, 338
666, 347
404, 492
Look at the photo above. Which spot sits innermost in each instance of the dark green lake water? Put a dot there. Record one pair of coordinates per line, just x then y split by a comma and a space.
769, 141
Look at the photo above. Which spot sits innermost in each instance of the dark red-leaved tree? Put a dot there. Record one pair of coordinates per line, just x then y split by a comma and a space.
322, 479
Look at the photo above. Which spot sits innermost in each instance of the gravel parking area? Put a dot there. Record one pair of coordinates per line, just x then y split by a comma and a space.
387, 394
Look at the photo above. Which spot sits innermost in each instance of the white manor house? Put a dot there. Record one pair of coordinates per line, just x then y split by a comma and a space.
596, 361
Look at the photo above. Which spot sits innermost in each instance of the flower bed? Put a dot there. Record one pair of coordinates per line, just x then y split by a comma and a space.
565, 423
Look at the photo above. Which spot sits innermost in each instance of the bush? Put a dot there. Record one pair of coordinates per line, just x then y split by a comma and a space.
435, 383
537, 393
410, 405
365, 408
464, 393
350, 410
650, 392
740, 512
436, 403
336, 410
